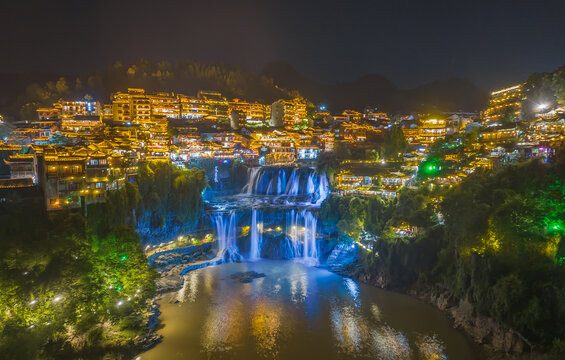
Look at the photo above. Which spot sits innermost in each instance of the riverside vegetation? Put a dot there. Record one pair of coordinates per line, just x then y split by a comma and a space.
76, 287
495, 241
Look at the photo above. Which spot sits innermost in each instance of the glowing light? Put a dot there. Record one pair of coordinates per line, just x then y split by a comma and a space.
57, 299
124, 258
543, 106
119, 303
33, 302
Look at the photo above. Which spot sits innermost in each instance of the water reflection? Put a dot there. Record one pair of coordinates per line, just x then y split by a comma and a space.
353, 290
298, 312
266, 328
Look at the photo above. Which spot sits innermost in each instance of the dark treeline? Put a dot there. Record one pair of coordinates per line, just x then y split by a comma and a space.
495, 240
80, 287
186, 77
163, 202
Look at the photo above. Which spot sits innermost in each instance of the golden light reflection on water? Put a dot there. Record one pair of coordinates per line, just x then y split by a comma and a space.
224, 326
390, 344
293, 313
266, 326
430, 348
356, 335
189, 291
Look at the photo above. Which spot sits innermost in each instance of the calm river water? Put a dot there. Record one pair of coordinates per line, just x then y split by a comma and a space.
298, 312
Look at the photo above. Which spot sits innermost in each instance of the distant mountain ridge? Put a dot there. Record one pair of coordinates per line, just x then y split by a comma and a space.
21, 94
454, 94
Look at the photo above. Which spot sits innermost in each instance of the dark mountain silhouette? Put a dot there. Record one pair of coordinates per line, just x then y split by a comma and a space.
21, 94
375, 90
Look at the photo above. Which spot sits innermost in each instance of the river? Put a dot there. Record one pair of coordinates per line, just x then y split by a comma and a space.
297, 312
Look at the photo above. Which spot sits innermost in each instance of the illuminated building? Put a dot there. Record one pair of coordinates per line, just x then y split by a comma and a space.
48, 114
216, 105
277, 146
431, 130
412, 134
504, 102
192, 108
18, 167
352, 132
79, 107
82, 125
372, 114
166, 104
37, 132
499, 133
371, 181
288, 112
78, 177
253, 114
133, 106
352, 115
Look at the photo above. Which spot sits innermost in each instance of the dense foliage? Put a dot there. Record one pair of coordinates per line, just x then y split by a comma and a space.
163, 202
67, 289
75, 286
505, 246
496, 240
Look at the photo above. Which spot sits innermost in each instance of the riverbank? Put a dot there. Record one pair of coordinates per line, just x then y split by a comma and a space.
496, 341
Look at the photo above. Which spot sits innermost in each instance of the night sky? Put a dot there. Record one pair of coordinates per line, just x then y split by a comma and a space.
493, 43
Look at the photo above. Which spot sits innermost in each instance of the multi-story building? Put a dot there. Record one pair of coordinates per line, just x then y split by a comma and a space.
74, 178
166, 104
82, 126
431, 130
505, 102
216, 105
133, 106
288, 112
48, 114
77, 107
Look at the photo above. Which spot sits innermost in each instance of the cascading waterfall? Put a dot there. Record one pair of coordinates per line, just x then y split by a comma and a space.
287, 181
293, 184
252, 174
323, 190
226, 224
256, 234
283, 201
301, 230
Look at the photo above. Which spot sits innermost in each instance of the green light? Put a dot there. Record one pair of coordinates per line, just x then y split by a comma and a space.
124, 258
119, 288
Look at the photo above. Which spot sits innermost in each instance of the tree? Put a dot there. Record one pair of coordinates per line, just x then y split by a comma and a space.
395, 143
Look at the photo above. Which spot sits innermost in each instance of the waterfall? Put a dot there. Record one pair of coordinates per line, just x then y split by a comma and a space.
323, 190
293, 184
256, 236
310, 245
252, 175
287, 181
301, 230
310, 187
226, 232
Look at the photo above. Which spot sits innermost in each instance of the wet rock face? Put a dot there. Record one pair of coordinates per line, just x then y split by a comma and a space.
482, 329
246, 277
